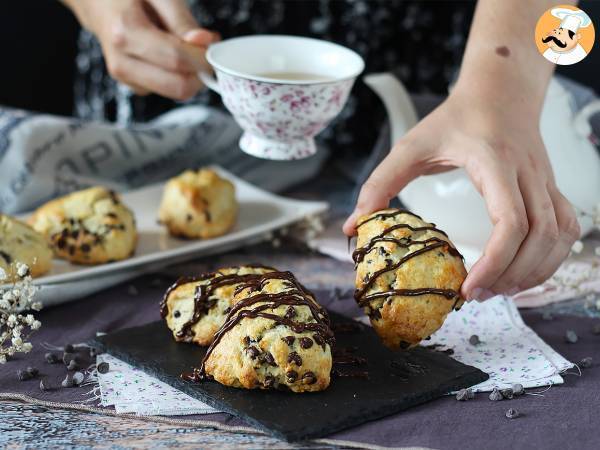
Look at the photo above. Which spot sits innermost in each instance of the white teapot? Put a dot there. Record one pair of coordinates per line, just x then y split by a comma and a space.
450, 200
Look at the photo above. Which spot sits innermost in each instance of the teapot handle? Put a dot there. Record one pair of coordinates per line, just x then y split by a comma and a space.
581, 121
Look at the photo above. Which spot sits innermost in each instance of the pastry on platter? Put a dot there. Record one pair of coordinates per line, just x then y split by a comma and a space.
19, 243
276, 336
196, 307
408, 276
91, 226
198, 205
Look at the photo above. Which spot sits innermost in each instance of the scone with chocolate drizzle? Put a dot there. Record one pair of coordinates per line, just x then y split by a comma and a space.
408, 276
196, 307
276, 336
91, 226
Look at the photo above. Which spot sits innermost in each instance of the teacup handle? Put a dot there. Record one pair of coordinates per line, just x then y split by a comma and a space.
209, 81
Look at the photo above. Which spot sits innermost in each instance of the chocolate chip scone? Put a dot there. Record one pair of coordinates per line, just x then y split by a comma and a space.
276, 336
21, 243
408, 276
91, 226
196, 307
198, 205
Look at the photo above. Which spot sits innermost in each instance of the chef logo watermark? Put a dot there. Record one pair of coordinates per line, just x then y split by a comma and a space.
564, 35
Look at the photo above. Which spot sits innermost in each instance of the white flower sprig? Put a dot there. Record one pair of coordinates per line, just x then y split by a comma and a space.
15, 327
594, 215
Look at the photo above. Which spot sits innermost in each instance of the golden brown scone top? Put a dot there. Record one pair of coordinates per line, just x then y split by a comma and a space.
19, 243
196, 307
198, 205
276, 336
91, 226
408, 276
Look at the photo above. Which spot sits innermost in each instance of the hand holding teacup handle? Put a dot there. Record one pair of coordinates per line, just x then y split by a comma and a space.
210, 81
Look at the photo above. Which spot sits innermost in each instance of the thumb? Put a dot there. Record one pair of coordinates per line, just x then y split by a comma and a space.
398, 169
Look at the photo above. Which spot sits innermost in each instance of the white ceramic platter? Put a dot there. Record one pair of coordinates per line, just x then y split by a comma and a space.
260, 212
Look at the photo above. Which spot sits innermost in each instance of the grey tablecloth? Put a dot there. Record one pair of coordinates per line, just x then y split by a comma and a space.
565, 417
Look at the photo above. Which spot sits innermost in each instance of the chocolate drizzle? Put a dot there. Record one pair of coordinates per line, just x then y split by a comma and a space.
296, 295
203, 292
428, 245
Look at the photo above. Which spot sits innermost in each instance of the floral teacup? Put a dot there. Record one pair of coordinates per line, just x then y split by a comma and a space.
282, 90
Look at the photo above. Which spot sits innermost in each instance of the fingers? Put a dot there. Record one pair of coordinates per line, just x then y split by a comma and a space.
499, 187
568, 232
135, 72
541, 239
175, 16
390, 176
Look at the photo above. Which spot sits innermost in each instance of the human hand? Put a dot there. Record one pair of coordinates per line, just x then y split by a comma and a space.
152, 45
501, 149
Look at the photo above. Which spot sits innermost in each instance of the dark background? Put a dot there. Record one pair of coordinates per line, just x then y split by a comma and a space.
38, 46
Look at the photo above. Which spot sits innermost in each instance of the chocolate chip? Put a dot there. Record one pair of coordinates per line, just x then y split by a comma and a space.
78, 377
51, 358
189, 218
388, 262
289, 340
73, 364
227, 310
291, 376
67, 357
547, 316
404, 345
268, 358
61, 243
74, 234
69, 348
319, 340
269, 381
474, 340
518, 389
507, 393
85, 248
306, 342
253, 352
374, 314
176, 314
103, 367
309, 378
33, 371
44, 385
571, 337
246, 341
586, 362
23, 375
294, 357
71, 250
512, 414
67, 382
290, 313
208, 216
496, 395
462, 395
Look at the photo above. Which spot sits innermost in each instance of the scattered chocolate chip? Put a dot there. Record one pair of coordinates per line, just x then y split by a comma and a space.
547, 316
78, 377
291, 376
252, 352
294, 357
67, 382
518, 389
33, 371
596, 329
571, 337
69, 348
103, 367
404, 345
306, 342
61, 243
176, 314
268, 358
462, 395
309, 378
44, 385
507, 393
73, 364
495, 395
227, 310
269, 381
586, 362
51, 358
474, 340
290, 313
23, 375
319, 340
85, 248
512, 413
374, 314
289, 340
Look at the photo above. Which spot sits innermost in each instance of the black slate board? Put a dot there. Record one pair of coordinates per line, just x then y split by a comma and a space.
347, 402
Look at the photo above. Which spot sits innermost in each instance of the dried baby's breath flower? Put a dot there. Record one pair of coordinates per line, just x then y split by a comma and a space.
16, 328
